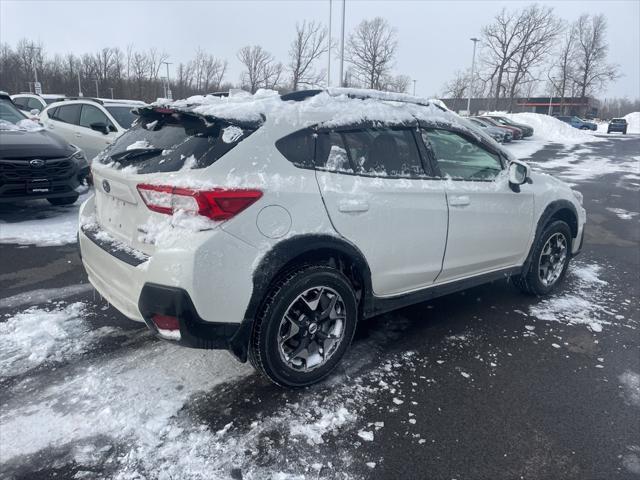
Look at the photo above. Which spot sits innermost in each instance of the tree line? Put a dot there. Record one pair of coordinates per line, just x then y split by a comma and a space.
370, 54
531, 51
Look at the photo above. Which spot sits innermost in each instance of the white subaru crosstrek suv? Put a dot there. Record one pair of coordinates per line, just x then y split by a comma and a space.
90, 123
270, 225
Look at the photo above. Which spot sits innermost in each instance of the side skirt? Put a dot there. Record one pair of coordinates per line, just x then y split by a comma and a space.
378, 305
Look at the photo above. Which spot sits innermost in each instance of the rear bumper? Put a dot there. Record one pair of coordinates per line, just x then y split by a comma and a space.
205, 280
194, 331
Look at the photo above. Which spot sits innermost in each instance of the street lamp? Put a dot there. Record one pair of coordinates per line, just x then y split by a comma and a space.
414, 88
168, 90
473, 65
341, 83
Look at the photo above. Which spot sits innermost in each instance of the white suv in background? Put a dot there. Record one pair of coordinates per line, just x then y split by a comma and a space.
90, 123
270, 225
30, 102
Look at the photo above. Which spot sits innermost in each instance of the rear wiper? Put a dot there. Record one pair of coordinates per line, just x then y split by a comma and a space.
136, 152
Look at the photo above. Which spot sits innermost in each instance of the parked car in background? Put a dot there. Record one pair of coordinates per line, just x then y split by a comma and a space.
500, 135
577, 122
515, 131
262, 224
35, 163
617, 125
526, 130
91, 123
29, 102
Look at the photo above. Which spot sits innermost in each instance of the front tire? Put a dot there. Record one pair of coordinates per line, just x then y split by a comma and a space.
549, 260
63, 200
304, 327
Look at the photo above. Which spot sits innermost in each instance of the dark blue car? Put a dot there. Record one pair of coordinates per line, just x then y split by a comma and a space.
577, 122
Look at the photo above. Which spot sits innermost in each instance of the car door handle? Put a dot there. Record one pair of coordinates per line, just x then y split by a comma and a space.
353, 206
459, 201
78, 134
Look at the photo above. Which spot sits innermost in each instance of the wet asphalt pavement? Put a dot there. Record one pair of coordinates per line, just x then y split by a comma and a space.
475, 385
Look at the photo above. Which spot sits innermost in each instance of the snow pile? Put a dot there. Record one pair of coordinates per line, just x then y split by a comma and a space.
633, 120
37, 335
552, 130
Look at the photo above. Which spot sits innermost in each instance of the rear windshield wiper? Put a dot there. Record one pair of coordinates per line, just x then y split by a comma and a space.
135, 153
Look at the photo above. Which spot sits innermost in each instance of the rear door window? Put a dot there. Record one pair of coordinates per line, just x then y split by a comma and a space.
331, 153
384, 152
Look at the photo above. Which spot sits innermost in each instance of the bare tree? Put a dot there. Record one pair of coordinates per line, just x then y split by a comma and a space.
562, 70
592, 71
397, 83
307, 46
261, 68
371, 50
500, 44
539, 30
458, 86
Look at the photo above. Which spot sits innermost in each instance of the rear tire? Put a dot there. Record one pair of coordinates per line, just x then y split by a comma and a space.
304, 326
63, 200
549, 260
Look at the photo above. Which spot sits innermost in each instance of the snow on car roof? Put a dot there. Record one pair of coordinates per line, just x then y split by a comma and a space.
329, 107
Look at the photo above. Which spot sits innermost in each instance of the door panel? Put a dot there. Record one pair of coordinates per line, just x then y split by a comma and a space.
377, 197
400, 225
489, 224
489, 227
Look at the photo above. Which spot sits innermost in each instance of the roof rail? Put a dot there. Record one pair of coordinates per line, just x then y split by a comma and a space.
362, 93
91, 99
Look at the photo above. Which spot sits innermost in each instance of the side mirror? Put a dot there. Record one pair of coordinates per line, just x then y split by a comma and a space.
518, 173
100, 127
35, 112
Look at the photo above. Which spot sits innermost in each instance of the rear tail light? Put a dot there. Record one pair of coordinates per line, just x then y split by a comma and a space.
217, 204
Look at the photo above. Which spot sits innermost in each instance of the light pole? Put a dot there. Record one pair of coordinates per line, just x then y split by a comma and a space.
168, 90
111, 88
329, 48
97, 92
473, 66
342, 46
79, 85
36, 84
552, 82
414, 88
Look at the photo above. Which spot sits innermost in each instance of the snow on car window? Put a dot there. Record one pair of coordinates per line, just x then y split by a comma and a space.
231, 134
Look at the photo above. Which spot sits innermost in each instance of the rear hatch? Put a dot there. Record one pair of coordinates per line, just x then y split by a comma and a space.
155, 170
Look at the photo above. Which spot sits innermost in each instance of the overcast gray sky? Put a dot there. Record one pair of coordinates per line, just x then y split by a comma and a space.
433, 36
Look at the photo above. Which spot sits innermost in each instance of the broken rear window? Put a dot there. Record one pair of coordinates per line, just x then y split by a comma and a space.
167, 142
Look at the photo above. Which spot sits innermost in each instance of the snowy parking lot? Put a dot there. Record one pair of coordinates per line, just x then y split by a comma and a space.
487, 383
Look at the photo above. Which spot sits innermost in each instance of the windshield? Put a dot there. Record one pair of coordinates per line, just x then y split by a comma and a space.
167, 143
9, 112
122, 115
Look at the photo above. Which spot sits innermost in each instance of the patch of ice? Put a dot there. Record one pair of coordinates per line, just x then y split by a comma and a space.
622, 213
366, 435
38, 335
314, 430
630, 382
231, 134
44, 295
26, 125
59, 227
576, 307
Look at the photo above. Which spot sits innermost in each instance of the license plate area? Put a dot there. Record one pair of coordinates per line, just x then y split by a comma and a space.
38, 186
